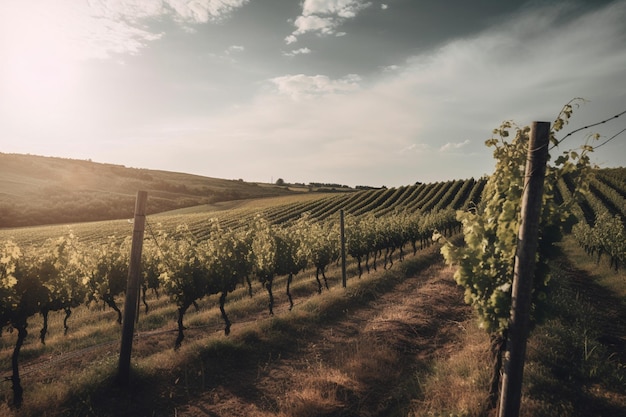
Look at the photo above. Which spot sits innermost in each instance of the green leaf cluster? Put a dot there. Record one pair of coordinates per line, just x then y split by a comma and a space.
9, 256
486, 261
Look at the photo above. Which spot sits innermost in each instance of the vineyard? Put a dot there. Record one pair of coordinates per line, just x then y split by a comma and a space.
202, 265
602, 232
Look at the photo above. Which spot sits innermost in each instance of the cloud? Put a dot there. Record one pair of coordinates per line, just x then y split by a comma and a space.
202, 11
102, 28
301, 51
307, 86
122, 23
234, 49
384, 6
391, 68
453, 146
415, 148
422, 120
325, 16
313, 23
341, 8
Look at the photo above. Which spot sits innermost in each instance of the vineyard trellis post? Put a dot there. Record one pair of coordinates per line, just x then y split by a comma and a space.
343, 248
132, 289
524, 270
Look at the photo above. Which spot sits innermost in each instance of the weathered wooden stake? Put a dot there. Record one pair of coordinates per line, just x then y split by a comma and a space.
132, 289
343, 249
524, 270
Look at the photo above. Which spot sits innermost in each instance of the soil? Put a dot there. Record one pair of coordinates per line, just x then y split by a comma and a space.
364, 364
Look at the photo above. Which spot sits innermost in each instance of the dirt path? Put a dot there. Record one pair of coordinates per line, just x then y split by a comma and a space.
363, 364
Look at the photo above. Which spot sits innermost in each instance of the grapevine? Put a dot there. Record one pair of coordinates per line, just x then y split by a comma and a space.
293, 253
485, 263
108, 271
62, 273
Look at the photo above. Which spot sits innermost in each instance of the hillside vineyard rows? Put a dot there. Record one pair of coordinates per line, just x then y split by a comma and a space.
193, 255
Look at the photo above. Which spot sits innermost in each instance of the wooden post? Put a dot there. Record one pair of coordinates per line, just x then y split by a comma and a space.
343, 249
132, 289
524, 270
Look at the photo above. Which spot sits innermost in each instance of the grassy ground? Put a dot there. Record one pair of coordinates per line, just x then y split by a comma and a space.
576, 358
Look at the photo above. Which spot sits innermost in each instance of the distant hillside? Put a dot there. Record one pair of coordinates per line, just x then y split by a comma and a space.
37, 190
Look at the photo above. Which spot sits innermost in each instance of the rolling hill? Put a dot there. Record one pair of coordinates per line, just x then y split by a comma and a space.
38, 190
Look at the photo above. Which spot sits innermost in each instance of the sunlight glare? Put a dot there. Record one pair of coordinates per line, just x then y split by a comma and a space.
39, 71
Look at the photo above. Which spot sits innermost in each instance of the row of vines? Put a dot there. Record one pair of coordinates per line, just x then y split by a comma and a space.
66, 272
601, 209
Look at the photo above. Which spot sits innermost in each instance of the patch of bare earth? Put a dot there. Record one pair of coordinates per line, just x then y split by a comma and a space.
364, 364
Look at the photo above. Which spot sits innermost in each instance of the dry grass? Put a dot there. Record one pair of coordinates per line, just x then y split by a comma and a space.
457, 384
569, 372
323, 390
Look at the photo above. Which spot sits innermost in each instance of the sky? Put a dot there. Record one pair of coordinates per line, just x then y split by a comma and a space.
351, 92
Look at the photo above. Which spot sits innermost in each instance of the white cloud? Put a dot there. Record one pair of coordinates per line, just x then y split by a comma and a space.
307, 86
132, 11
202, 11
325, 16
341, 8
104, 27
312, 23
301, 51
234, 49
415, 148
391, 68
290, 39
453, 146
101, 28
384, 6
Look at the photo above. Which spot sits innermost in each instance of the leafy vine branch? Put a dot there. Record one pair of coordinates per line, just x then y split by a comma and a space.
567, 111
485, 263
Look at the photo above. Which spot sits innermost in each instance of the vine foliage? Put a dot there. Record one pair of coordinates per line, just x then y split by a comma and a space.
486, 261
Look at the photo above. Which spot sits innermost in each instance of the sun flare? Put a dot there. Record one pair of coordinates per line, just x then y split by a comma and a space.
39, 71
